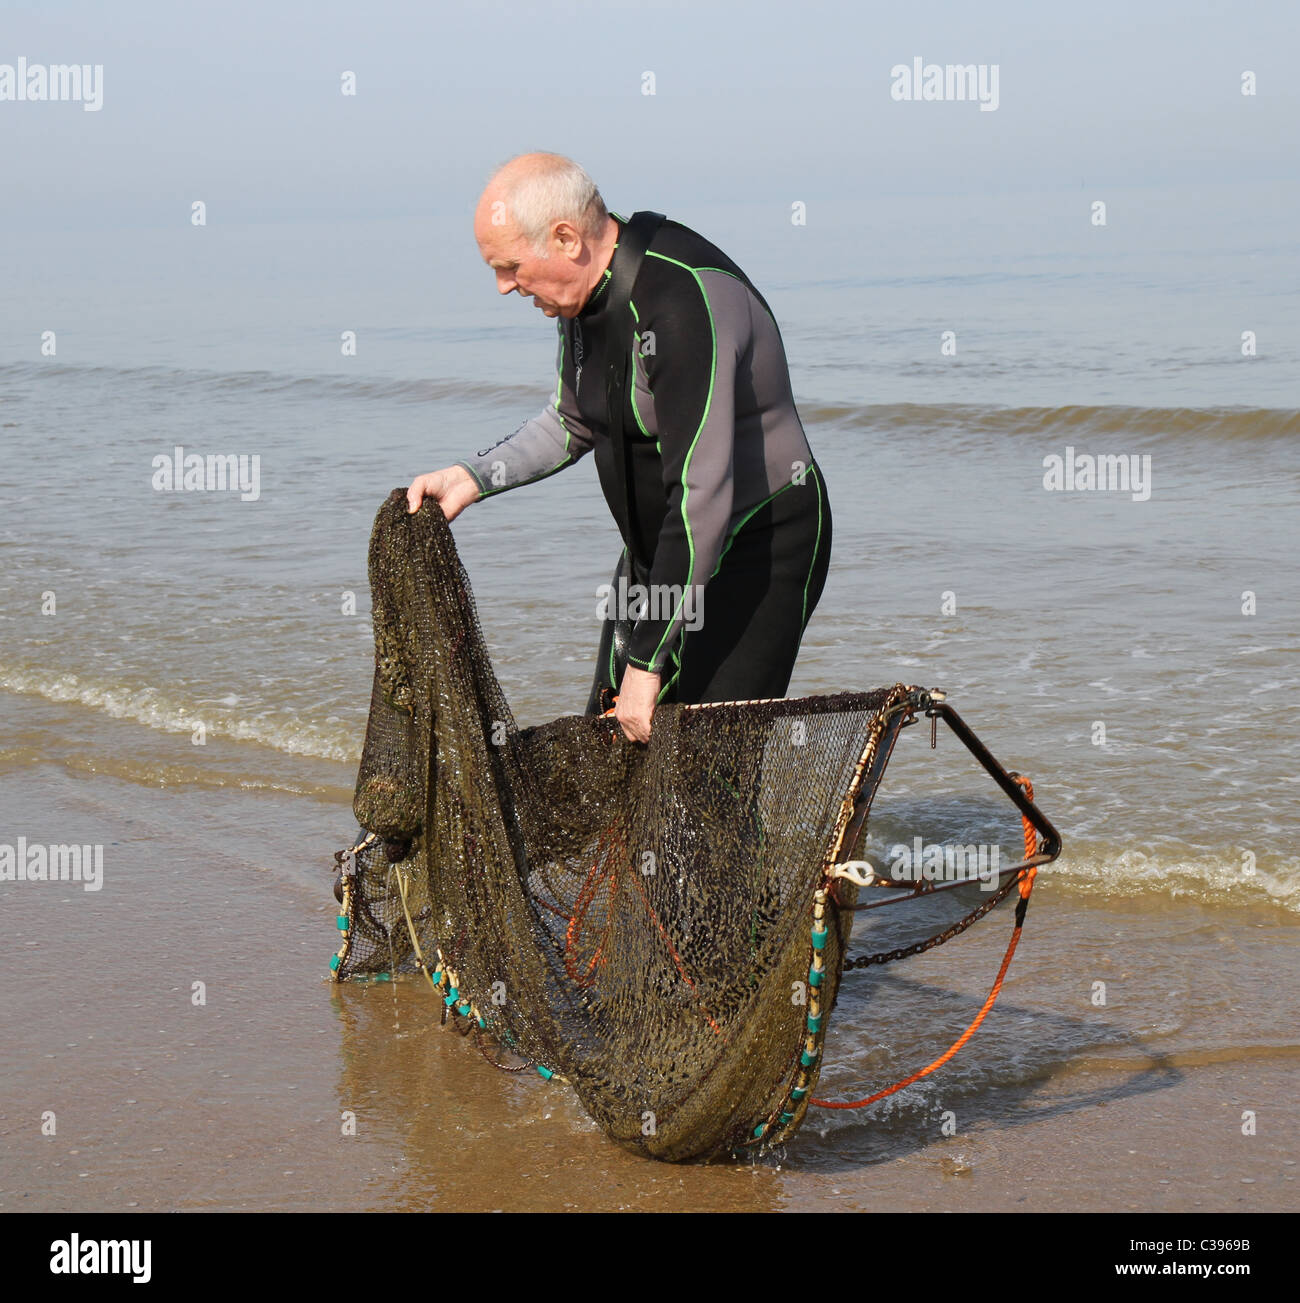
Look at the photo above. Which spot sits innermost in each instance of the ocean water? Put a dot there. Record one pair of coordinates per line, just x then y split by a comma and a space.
1133, 650
1101, 633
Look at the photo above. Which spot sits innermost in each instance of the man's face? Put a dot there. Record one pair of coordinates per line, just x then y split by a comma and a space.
554, 283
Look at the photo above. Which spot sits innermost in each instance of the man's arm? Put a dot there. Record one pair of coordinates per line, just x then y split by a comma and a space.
553, 439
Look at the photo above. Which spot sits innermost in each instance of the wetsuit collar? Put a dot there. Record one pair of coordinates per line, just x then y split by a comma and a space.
596, 299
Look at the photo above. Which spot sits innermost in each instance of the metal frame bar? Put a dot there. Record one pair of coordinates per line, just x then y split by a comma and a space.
933, 704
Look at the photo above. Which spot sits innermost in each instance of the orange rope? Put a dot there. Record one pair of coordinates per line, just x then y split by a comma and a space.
1026, 886
677, 960
613, 852
606, 853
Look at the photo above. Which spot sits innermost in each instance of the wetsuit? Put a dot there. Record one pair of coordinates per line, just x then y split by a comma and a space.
727, 499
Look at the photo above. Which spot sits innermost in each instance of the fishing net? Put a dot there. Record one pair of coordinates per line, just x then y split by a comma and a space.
654, 924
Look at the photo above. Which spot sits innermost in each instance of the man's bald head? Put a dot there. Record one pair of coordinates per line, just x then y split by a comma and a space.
533, 192
543, 228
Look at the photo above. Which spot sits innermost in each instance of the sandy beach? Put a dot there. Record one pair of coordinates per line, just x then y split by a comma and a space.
240, 1102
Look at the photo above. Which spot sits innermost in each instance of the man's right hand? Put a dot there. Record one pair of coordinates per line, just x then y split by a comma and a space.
453, 489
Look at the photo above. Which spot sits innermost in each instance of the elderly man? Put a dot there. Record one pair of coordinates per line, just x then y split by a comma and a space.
701, 456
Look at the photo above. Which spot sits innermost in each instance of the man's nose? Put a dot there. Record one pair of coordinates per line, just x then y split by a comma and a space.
506, 284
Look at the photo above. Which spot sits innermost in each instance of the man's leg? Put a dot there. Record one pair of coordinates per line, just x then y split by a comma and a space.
755, 608
758, 604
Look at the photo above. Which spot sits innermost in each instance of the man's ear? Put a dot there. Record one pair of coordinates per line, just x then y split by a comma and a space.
566, 239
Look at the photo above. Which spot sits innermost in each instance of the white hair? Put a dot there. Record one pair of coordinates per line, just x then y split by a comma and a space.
556, 190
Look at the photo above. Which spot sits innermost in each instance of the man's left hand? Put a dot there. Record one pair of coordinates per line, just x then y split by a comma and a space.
636, 703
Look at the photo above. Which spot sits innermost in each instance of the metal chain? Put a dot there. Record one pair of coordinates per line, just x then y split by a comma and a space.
960, 926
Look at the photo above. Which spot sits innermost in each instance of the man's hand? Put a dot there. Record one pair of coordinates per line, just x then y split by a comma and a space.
636, 703
453, 489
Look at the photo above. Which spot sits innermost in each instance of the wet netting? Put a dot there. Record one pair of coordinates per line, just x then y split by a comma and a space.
654, 924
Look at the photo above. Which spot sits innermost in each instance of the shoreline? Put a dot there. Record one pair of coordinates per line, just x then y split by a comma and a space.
240, 1102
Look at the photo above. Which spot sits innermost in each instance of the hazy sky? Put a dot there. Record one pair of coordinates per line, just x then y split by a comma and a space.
239, 103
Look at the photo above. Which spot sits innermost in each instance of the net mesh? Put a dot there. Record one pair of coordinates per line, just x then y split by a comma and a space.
652, 923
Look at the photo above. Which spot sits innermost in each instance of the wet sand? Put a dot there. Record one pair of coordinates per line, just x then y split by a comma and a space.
240, 1102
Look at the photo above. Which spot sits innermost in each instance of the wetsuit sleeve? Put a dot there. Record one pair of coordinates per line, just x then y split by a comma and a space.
699, 338
553, 439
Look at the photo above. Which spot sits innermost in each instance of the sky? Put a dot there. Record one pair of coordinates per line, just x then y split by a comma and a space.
240, 103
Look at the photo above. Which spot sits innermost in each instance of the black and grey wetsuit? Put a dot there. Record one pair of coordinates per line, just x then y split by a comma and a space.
727, 498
